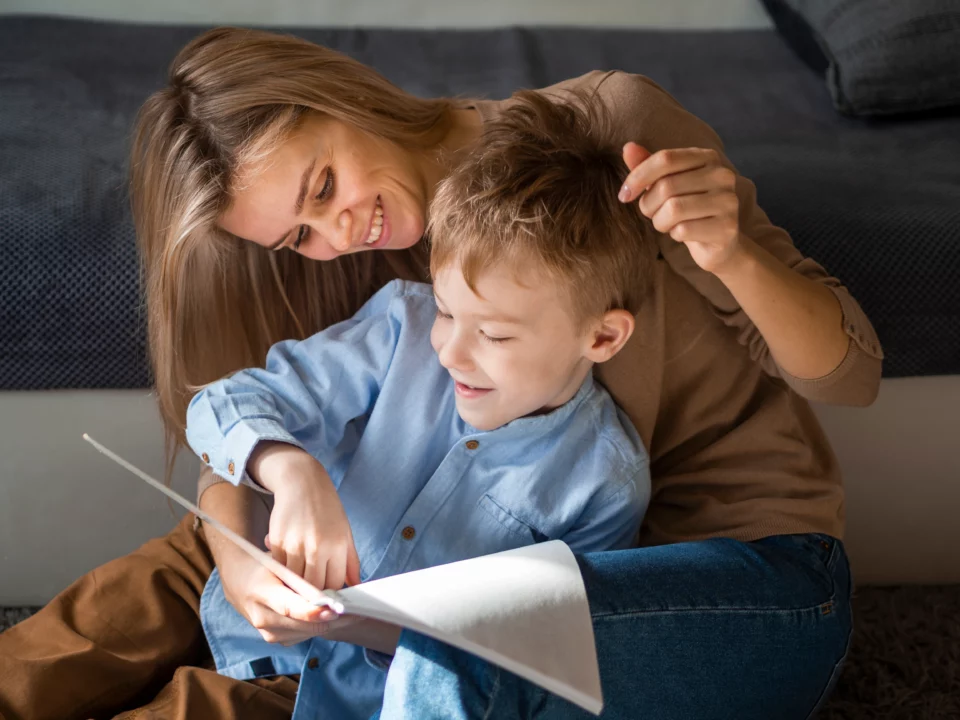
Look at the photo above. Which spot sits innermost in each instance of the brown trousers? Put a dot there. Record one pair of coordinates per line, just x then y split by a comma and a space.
125, 641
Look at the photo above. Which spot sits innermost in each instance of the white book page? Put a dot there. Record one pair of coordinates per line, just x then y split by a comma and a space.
525, 610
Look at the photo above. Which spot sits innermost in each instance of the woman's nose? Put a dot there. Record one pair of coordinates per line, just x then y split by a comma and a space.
341, 235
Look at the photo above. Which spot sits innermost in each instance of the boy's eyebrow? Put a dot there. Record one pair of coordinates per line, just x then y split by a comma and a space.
501, 318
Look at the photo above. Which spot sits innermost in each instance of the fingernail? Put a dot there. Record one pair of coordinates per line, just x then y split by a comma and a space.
624, 193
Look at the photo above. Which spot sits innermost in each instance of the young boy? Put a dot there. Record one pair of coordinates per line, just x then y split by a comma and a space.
445, 423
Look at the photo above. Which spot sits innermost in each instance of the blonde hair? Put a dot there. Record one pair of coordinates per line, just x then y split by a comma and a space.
541, 188
215, 303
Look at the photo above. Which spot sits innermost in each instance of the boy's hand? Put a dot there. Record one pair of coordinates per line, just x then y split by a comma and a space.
309, 531
689, 194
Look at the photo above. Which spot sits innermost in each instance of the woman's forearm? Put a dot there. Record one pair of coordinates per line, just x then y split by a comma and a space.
242, 510
800, 320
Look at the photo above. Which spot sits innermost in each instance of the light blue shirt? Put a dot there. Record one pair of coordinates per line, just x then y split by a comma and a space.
420, 487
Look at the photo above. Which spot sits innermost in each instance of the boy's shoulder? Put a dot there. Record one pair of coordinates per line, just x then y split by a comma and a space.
400, 297
609, 431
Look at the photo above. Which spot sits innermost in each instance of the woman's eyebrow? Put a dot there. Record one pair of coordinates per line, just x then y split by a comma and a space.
298, 206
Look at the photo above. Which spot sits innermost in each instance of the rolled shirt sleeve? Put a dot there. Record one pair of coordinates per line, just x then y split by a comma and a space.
306, 395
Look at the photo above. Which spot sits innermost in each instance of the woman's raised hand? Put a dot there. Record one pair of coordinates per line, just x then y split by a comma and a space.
689, 194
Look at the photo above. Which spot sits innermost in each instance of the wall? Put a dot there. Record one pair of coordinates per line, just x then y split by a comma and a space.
414, 13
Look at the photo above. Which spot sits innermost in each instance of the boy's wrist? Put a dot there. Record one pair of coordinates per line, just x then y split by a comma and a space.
269, 465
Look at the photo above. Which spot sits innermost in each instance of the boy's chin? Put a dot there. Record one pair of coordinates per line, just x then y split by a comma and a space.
481, 421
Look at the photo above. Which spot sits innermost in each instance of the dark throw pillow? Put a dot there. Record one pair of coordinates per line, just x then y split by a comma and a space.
880, 57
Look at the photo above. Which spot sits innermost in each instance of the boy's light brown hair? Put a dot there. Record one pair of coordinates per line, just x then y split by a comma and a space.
538, 194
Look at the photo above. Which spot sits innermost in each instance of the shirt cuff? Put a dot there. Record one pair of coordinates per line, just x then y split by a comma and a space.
856, 324
228, 457
856, 380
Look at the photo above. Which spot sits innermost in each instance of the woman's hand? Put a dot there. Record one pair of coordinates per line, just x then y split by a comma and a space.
689, 194
309, 531
278, 613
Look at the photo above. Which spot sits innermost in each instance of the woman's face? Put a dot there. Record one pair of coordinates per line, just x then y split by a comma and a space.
329, 190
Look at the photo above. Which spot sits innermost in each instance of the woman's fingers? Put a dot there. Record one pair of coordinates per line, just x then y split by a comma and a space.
683, 208
713, 232
692, 182
634, 154
663, 163
282, 602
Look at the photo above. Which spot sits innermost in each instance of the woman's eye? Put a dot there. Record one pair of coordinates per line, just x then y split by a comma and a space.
443, 316
327, 186
302, 232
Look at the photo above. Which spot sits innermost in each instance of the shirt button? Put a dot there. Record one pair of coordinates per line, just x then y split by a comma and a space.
472, 444
230, 467
313, 663
408, 533
205, 458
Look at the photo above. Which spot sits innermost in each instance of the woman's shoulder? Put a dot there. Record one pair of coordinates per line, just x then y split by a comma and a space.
615, 86
639, 110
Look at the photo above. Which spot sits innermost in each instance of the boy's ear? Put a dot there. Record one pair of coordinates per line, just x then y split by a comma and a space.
608, 335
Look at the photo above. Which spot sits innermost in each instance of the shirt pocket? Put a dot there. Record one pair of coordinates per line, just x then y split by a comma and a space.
514, 532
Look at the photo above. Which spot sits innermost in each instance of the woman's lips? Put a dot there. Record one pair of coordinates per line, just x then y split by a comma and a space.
374, 243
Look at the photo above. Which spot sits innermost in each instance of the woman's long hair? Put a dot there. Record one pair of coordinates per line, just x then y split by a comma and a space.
215, 303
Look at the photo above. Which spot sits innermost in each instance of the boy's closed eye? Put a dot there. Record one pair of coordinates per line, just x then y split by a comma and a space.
496, 340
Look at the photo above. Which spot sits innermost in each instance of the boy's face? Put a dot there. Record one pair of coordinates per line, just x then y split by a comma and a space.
512, 350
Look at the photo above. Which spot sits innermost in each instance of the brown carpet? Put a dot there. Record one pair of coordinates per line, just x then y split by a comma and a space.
904, 663
905, 660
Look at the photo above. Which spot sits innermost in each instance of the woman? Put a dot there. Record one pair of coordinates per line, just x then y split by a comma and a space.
259, 176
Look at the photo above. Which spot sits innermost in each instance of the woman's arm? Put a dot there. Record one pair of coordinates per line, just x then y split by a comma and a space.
796, 321
800, 320
695, 198
691, 195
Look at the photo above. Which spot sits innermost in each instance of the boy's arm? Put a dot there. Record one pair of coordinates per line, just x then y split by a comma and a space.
306, 395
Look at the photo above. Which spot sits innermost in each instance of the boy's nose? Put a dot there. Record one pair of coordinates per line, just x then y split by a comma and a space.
453, 357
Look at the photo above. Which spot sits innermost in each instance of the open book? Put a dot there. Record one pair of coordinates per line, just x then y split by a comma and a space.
525, 610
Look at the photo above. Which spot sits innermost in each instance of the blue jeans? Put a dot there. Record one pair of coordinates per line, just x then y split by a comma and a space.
710, 629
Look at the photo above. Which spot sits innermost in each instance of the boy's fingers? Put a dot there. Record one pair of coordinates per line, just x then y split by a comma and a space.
353, 565
336, 569
296, 563
315, 571
276, 550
